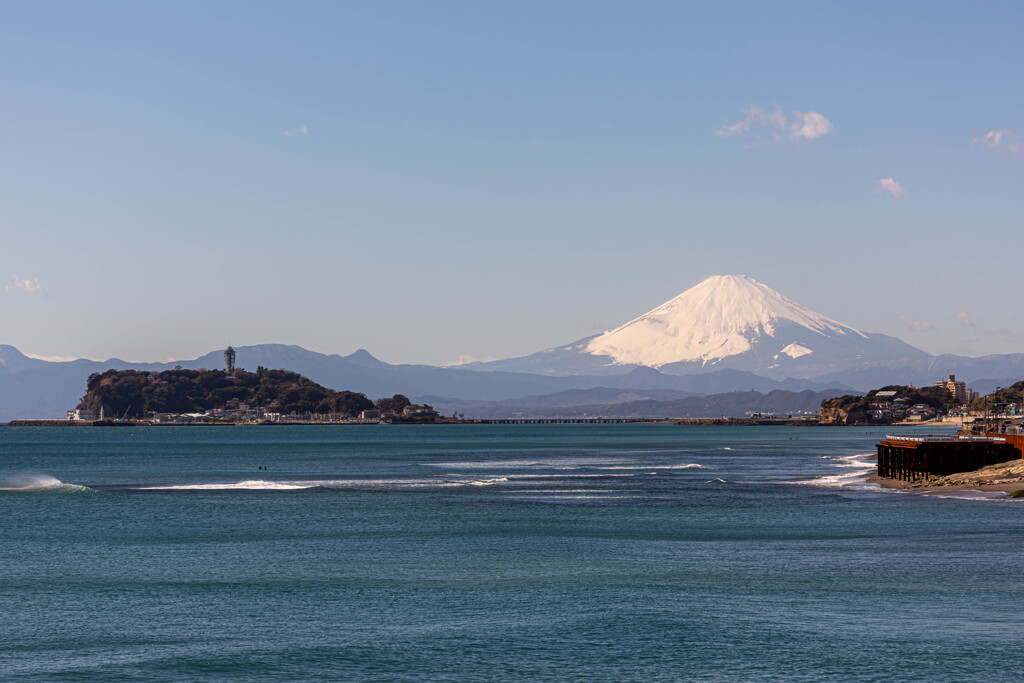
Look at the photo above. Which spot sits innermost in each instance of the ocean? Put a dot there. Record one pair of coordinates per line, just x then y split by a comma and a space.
485, 552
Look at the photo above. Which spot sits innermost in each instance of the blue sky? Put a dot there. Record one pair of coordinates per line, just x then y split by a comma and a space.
436, 180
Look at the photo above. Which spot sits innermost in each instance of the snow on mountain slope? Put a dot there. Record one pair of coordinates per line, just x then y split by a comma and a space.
725, 322
794, 351
723, 316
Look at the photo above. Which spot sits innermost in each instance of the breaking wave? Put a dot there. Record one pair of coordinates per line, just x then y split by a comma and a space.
35, 483
858, 468
348, 484
562, 464
683, 466
250, 485
567, 463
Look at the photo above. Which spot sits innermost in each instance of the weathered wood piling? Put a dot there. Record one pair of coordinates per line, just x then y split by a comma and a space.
913, 458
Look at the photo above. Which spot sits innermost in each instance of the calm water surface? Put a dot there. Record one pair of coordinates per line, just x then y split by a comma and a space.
622, 552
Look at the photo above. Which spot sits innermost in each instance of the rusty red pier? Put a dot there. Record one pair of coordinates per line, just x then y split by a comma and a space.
917, 457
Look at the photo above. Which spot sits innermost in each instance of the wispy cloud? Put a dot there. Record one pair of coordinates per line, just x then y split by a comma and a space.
302, 130
26, 285
892, 187
964, 319
916, 325
773, 121
806, 126
1004, 140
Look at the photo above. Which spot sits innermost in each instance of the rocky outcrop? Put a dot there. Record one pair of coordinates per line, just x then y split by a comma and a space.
1001, 474
842, 411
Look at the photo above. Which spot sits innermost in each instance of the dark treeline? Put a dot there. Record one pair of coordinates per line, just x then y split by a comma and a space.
136, 394
999, 399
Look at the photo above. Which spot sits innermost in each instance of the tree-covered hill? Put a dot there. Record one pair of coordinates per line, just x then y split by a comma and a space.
853, 409
135, 393
1001, 398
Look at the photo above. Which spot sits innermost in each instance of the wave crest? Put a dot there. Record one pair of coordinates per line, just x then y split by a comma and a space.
34, 483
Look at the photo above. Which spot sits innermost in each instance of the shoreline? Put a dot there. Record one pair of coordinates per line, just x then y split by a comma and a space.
684, 422
1005, 478
927, 488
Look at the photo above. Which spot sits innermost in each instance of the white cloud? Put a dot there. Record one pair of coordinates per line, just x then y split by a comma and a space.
964, 319
810, 126
1004, 140
916, 325
29, 286
774, 121
302, 130
807, 126
892, 187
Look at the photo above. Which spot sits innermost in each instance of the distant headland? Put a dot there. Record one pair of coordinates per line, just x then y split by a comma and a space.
232, 396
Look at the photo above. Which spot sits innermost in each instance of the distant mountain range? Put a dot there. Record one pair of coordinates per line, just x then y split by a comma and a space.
729, 333
35, 388
735, 322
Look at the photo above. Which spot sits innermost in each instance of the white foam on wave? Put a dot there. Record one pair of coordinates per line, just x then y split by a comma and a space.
35, 483
439, 481
358, 484
476, 482
966, 494
567, 490
683, 466
569, 476
566, 463
861, 467
489, 465
250, 485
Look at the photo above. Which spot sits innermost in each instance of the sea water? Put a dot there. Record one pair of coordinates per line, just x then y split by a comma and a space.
476, 552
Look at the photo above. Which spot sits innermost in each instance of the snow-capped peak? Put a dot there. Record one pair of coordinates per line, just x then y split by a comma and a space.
720, 317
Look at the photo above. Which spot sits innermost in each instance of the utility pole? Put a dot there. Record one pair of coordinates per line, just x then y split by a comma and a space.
998, 389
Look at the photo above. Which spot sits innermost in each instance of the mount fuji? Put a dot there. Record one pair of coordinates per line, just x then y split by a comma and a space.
727, 322
729, 333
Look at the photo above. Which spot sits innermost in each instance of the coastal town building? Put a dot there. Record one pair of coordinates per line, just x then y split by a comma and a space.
958, 390
81, 414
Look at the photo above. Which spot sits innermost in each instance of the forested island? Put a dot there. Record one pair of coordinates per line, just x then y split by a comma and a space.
261, 395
